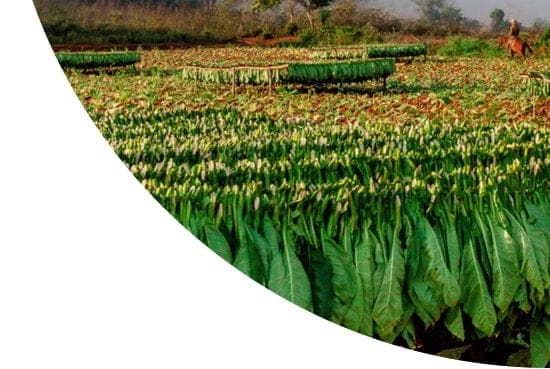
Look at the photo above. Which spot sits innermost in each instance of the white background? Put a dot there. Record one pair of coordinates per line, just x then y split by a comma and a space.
95, 274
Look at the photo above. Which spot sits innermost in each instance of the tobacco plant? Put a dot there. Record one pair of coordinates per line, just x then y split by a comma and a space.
390, 230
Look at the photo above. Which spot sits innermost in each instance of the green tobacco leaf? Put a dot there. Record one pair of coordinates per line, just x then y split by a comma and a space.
408, 333
540, 342
262, 248
343, 278
452, 245
504, 263
454, 353
322, 288
534, 259
216, 241
405, 327
271, 235
454, 323
353, 317
431, 285
521, 298
388, 305
541, 217
421, 295
287, 276
476, 299
364, 264
438, 275
248, 261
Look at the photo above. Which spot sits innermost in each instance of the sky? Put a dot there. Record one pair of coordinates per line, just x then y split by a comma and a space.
525, 11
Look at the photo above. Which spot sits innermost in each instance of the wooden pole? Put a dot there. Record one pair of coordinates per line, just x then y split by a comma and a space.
270, 74
534, 102
234, 82
196, 77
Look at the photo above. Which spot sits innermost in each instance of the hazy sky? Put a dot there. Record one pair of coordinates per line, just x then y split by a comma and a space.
524, 11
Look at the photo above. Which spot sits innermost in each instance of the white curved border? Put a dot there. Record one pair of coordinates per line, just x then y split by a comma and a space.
95, 274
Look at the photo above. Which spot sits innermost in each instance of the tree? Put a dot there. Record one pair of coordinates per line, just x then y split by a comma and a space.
438, 11
497, 20
309, 6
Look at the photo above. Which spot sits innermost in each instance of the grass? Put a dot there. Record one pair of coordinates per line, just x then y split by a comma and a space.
461, 46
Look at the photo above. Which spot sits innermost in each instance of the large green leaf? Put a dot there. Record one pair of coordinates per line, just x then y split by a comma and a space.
354, 315
452, 244
534, 258
541, 216
431, 285
343, 278
422, 296
262, 248
437, 273
322, 288
248, 260
287, 276
454, 322
364, 264
476, 299
216, 241
271, 235
540, 342
406, 325
388, 305
504, 263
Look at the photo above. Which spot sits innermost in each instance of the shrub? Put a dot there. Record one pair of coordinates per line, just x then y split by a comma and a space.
544, 38
348, 35
462, 46
206, 35
324, 14
291, 28
344, 35
307, 37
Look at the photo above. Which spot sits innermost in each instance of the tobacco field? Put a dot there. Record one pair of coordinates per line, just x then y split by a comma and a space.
418, 213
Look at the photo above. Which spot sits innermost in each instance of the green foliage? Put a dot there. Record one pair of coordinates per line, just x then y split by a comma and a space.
440, 148
538, 83
320, 72
462, 46
467, 245
341, 35
324, 15
267, 35
307, 37
97, 60
540, 342
337, 72
291, 28
544, 38
394, 51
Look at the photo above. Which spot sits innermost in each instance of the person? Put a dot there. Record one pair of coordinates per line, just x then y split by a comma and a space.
513, 34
